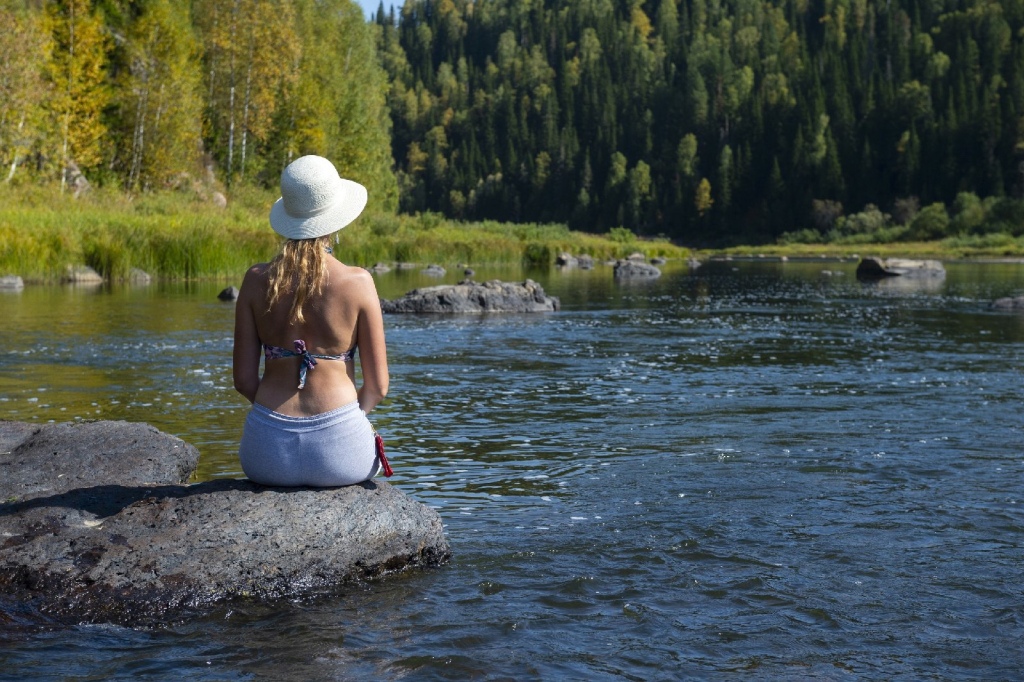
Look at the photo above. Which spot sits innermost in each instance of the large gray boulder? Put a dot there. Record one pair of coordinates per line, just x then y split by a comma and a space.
871, 268
475, 297
37, 459
108, 541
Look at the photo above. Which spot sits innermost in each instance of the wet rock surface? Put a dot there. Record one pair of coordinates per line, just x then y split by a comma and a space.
475, 297
100, 538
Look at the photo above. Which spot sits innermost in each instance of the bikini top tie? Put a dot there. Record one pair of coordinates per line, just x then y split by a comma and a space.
308, 359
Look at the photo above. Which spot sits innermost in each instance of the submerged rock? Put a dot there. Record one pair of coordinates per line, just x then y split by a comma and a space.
434, 270
475, 297
1011, 303
871, 268
102, 533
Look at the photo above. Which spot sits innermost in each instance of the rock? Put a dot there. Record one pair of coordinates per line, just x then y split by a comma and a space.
693, 263
219, 200
1011, 303
137, 276
469, 272
434, 271
81, 274
48, 458
585, 261
636, 255
871, 268
75, 179
11, 283
658, 260
228, 294
110, 548
632, 269
475, 297
380, 268
566, 260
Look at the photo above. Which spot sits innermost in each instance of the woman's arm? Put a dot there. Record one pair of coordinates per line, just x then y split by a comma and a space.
246, 355
373, 355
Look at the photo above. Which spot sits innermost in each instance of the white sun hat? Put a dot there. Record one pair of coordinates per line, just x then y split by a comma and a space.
315, 200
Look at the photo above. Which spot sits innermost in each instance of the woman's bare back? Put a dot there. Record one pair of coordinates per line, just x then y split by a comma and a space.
344, 315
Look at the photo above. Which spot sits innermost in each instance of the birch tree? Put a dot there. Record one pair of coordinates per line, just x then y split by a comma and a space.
77, 72
160, 97
22, 87
251, 51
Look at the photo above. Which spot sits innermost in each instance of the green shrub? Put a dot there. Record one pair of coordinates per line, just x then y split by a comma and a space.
931, 223
621, 235
538, 255
805, 236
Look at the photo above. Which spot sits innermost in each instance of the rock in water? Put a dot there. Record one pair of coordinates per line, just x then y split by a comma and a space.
635, 269
228, 294
475, 297
871, 268
566, 260
1011, 303
101, 536
81, 274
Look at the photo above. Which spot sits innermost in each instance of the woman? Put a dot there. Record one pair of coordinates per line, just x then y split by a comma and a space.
307, 313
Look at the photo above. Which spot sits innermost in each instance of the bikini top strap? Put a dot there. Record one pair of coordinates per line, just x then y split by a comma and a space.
308, 359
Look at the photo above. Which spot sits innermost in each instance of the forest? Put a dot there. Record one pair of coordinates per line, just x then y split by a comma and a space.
154, 95
710, 122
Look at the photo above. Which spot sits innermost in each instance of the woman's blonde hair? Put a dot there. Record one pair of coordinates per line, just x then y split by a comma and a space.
299, 268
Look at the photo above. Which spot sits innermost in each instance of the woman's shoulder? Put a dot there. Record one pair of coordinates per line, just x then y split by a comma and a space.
352, 277
255, 277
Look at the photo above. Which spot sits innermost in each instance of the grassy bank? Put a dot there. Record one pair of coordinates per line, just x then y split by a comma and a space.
178, 236
951, 248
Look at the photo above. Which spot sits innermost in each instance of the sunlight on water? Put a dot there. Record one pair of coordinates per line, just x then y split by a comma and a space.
750, 468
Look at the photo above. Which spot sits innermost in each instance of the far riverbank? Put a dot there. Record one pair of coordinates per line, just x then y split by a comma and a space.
179, 236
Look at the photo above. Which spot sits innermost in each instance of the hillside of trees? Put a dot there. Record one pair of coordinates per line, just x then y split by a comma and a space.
711, 121
170, 94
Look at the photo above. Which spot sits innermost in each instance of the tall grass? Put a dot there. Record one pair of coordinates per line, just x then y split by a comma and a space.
177, 236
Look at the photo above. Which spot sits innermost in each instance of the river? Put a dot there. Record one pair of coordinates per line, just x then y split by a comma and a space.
754, 470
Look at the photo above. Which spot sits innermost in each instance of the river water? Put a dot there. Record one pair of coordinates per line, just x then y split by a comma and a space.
753, 470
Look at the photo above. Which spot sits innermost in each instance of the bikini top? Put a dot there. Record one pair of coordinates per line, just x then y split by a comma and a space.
308, 359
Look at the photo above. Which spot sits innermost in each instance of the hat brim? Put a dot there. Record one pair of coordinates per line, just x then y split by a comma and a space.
349, 202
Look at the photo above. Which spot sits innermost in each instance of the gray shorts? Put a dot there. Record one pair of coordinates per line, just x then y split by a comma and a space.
330, 449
